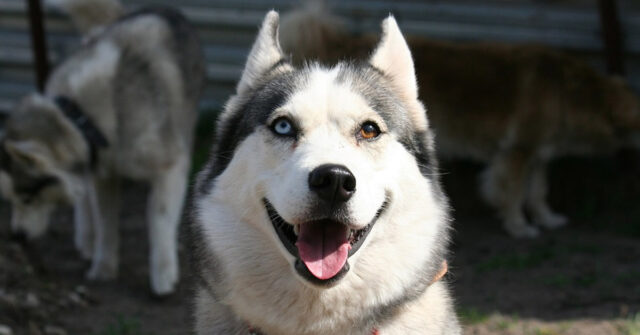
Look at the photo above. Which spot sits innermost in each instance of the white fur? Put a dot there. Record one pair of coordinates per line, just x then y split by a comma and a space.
83, 227
165, 205
238, 230
264, 53
149, 137
36, 215
542, 214
260, 284
330, 115
103, 195
393, 57
97, 70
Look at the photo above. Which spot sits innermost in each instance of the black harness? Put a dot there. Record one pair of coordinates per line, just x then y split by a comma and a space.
94, 137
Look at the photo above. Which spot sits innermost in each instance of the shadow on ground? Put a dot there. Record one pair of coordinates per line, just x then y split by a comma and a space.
582, 279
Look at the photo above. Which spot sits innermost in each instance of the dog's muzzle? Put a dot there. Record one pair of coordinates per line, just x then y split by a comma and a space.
321, 247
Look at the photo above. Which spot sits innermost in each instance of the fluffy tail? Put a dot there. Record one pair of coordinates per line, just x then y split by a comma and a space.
89, 14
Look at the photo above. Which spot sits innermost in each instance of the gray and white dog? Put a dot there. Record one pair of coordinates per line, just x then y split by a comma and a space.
320, 210
124, 105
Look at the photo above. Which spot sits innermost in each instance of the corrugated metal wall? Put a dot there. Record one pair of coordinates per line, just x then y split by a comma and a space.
228, 29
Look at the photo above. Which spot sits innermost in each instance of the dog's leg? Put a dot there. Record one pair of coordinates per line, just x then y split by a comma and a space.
536, 201
83, 226
165, 205
504, 186
105, 208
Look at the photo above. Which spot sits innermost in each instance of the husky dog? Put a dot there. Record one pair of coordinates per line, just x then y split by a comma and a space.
124, 105
514, 107
320, 210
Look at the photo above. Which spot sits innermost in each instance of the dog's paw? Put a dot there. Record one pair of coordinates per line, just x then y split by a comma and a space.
164, 276
552, 221
522, 230
103, 271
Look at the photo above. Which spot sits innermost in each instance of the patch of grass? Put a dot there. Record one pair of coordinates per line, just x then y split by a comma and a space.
517, 261
503, 325
557, 329
123, 326
471, 316
545, 331
505, 322
631, 326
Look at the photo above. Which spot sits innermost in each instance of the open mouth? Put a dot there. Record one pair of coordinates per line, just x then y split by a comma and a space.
321, 247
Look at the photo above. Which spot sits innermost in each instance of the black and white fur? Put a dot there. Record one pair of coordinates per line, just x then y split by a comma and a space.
246, 275
138, 80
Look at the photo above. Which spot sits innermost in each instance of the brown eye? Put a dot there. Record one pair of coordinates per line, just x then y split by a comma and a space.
369, 130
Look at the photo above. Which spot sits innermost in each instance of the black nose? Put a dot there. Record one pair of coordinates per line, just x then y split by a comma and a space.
333, 183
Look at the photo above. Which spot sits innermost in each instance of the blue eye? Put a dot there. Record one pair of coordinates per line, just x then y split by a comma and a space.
283, 126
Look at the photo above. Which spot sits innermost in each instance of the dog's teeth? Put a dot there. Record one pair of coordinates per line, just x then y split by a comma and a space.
296, 229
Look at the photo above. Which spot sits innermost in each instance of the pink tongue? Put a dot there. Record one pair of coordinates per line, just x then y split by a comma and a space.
323, 247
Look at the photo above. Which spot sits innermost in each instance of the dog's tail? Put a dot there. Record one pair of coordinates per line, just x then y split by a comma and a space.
311, 32
88, 15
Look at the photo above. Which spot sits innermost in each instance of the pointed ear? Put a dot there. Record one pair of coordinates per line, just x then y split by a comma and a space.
25, 152
264, 54
393, 57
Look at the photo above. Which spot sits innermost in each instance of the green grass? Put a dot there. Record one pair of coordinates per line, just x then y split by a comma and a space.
471, 316
559, 329
631, 326
123, 326
545, 331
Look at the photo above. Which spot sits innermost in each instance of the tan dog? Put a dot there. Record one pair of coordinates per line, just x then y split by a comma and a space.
514, 107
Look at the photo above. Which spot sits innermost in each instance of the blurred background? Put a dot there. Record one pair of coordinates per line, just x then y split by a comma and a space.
582, 279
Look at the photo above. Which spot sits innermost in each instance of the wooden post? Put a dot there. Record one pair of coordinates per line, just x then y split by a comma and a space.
612, 36
38, 43
614, 52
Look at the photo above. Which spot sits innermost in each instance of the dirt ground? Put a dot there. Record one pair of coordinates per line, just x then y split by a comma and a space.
584, 279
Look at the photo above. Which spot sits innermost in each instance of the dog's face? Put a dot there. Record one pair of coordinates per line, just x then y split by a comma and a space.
324, 157
34, 164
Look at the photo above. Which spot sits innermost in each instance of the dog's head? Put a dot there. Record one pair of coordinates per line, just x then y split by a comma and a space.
38, 158
327, 158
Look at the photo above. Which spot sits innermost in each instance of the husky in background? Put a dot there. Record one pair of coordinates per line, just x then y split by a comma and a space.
513, 107
320, 210
124, 105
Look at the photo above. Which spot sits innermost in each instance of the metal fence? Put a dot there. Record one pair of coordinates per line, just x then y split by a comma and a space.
228, 29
